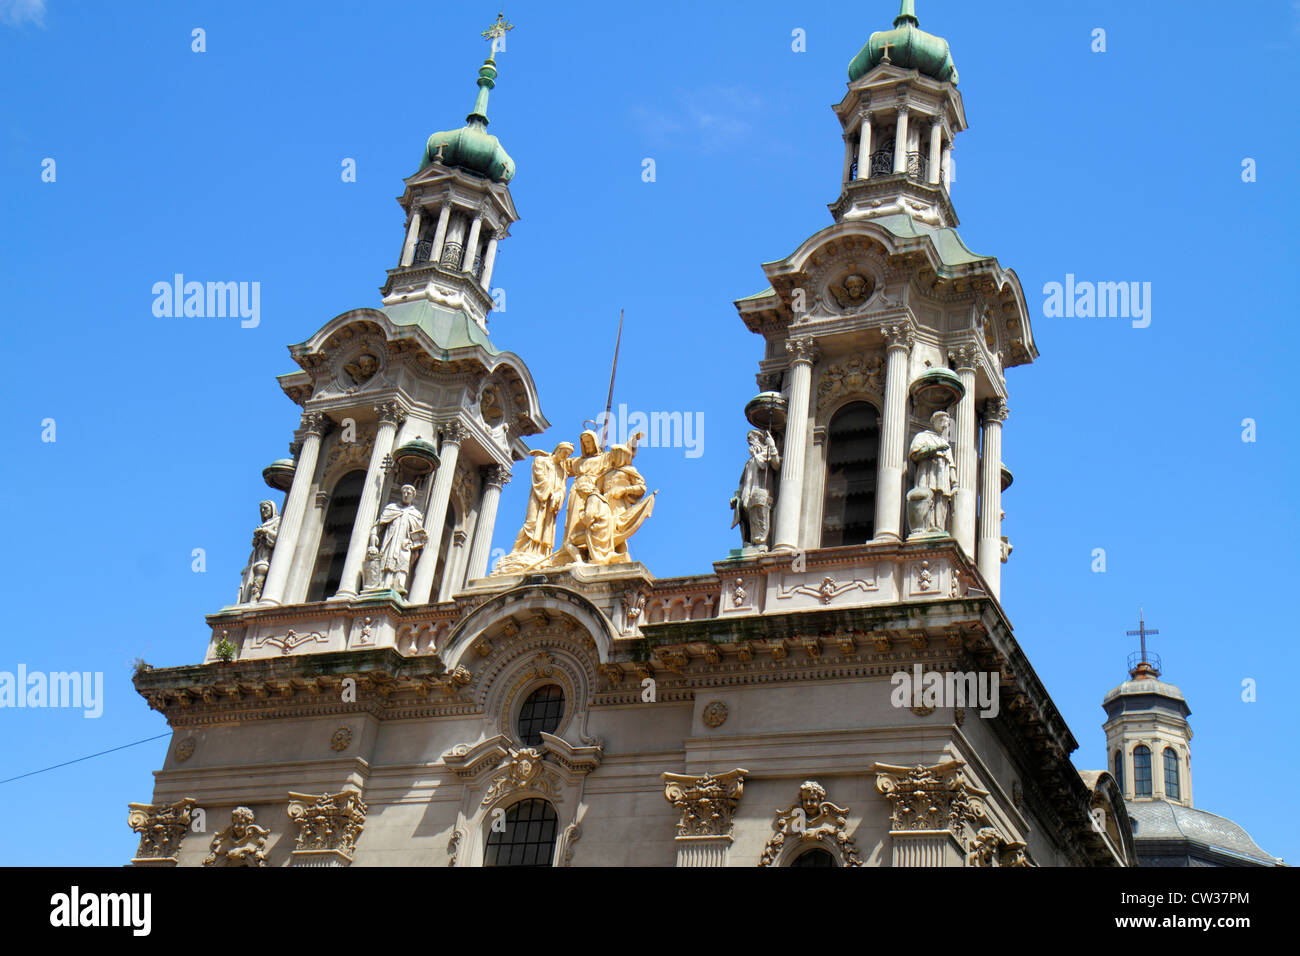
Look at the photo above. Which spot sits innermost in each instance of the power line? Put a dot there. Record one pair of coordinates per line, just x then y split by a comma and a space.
87, 757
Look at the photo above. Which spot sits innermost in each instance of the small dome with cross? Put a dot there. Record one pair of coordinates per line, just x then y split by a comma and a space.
906, 46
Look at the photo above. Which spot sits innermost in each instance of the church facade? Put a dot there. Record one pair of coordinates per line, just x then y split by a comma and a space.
844, 689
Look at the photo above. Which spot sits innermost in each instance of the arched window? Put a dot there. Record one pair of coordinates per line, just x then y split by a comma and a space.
814, 857
335, 536
852, 447
1141, 771
1119, 769
528, 838
1171, 774
541, 712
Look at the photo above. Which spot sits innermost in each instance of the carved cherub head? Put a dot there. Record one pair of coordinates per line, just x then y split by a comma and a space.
362, 368
811, 795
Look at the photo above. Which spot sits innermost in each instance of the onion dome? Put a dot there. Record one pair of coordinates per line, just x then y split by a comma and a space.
905, 46
472, 147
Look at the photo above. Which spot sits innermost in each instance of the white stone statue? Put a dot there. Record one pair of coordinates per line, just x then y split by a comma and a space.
259, 561
752, 503
403, 533
929, 503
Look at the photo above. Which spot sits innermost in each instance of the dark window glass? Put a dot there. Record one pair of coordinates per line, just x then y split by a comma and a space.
335, 536
541, 712
852, 445
1141, 771
814, 857
1119, 769
528, 838
1171, 774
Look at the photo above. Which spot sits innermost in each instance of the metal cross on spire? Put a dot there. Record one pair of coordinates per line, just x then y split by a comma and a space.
497, 30
1144, 663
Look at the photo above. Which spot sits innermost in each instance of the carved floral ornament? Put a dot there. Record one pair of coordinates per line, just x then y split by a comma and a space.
938, 797
812, 819
707, 802
161, 827
329, 822
854, 376
525, 770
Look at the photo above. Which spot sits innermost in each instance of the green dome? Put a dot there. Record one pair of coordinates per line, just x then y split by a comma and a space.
472, 147
909, 47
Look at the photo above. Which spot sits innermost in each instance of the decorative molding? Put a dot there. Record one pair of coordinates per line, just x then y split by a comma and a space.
827, 591
572, 834
991, 848
185, 749
290, 640
524, 771
243, 843
341, 739
812, 819
161, 827
328, 827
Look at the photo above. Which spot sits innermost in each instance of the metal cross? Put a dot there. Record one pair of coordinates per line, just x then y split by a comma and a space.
884, 48
497, 30
1142, 632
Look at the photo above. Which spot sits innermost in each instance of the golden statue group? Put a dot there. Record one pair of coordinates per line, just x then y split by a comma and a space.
605, 507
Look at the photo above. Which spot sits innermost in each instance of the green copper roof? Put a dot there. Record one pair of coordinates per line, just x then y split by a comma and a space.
908, 47
472, 147
449, 329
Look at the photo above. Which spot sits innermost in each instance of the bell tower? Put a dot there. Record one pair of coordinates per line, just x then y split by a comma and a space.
887, 339
412, 418
900, 116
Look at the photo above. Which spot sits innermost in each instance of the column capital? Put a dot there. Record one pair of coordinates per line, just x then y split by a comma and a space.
454, 432
389, 413
864, 111
963, 357
903, 107
497, 475
898, 336
802, 349
315, 423
994, 410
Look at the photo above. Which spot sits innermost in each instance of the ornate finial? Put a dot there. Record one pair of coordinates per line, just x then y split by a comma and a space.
1145, 665
497, 30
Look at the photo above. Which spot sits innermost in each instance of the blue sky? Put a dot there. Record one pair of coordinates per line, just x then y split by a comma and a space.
225, 165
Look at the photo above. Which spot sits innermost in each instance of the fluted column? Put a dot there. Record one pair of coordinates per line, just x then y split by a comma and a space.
936, 142
471, 244
453, 433
440, 233
891, 470
494, 479
947, 167
489, 260
900, 141
412, 239
864, 145
368, 508
964, 496
314, 425
848, 159
990, 537
790, 496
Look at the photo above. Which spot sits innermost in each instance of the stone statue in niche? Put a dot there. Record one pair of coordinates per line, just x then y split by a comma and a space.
402, 527
930, 500
852, 292
362, 369
751, 505
259, 561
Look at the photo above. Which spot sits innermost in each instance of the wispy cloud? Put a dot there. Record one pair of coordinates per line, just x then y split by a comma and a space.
712, 118
17, 12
